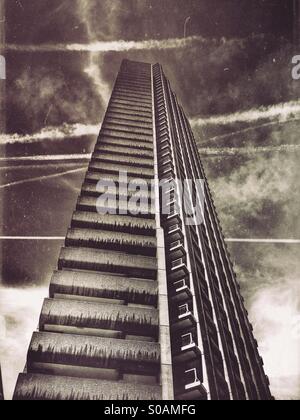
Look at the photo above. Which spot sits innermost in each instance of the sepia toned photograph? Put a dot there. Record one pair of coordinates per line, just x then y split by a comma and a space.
149, 202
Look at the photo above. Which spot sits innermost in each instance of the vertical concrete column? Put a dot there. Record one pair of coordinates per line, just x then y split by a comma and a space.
164, 321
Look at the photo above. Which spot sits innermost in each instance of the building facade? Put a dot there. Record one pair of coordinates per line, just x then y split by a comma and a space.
144, 304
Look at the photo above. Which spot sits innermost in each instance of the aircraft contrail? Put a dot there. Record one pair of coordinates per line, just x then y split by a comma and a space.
232, 151
282, 112
41, 178
32, 238
46, 158
110, 46
52, 133
264, 241
253, 128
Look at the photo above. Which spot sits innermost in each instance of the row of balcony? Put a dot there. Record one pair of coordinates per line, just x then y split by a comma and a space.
99, 319
124, 151
127, 120
112, 141
114, 241
112, 223
62, 353
123, 94
116, 207
50, 387
117, 158
103, 287
117, 133
128, 128
186, 355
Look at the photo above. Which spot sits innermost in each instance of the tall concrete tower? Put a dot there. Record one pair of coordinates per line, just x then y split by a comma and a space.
145, 304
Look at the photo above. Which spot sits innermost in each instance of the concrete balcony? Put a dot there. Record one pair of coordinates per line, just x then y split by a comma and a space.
177, 270
114, 241
183, 322
126, 128
145, 101
124, 151
116, 168
132, 225
176, 251
58, 388
174, 233
91, 204
133, 110
98, 319
142, 88
129, 136
186, 354
134, 79
80, 285
94, 190
123, 110
180, 292
123, 159
132, 93
109, 262
95, 177
103, 140
131, 118
92, 357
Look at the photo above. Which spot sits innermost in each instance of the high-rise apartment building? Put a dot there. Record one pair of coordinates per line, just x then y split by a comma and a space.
145, 304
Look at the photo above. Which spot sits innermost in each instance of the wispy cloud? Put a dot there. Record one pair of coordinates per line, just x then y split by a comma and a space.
52, 133
253, 128
47, 158
42, 178
275, 313
111, 46
281, 112
235, 151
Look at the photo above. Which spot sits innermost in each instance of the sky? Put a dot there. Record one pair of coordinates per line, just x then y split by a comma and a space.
233, 76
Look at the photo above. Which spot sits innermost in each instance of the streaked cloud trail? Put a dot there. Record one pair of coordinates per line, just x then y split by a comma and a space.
110, 46
281, 112
52, 133
42, 178
233, 151
46, 158
253, 128
32, 238
264, 241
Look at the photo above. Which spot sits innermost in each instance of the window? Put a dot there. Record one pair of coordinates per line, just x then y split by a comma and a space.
187, 340
192, 378
183, 310
177, 263
175, 244
180, 284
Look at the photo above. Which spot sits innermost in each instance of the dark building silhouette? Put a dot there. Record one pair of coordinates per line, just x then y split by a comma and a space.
144, 305
1, 387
